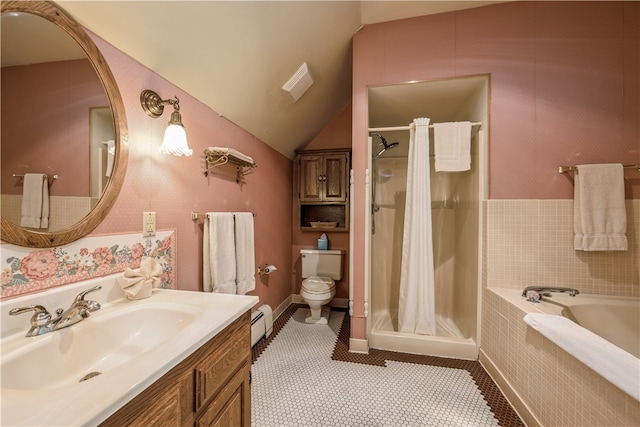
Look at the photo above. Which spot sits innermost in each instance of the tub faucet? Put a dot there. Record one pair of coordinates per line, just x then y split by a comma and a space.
534, 293
42, 323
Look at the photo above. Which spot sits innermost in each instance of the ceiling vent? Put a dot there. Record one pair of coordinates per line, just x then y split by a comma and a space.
299, 82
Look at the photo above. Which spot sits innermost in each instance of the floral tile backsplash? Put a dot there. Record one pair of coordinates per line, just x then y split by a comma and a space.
27, 270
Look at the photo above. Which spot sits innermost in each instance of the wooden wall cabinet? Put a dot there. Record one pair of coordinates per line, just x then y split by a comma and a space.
322, 180
211, 387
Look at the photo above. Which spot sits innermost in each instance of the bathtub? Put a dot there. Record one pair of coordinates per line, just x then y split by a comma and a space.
603, 331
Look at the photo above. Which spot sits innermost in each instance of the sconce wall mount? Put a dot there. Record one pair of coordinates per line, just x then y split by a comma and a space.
175, 138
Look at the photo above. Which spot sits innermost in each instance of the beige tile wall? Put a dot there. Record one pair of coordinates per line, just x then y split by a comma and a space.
531, 242
64, 211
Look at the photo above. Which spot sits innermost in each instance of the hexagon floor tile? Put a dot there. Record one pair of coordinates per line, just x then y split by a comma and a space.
303, 375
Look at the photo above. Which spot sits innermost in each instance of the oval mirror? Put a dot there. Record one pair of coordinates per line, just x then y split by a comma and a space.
63, 117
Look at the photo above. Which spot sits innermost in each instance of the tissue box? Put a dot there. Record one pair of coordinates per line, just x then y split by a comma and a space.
323, 244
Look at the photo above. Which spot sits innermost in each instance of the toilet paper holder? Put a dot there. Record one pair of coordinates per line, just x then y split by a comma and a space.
267, 269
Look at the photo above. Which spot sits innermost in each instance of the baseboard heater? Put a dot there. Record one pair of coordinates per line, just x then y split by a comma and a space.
261, 323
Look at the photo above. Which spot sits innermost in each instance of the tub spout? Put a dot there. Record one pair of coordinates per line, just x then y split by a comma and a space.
533, 293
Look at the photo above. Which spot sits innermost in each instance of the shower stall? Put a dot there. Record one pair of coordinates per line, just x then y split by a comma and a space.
456, 211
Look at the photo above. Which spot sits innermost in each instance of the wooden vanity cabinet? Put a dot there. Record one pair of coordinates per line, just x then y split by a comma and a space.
211, 387
322, 183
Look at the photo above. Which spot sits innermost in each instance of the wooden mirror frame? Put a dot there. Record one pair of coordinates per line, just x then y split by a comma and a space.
12, 233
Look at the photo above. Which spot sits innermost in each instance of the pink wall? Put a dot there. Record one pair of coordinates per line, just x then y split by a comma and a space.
175, 186
564, 91
45, 123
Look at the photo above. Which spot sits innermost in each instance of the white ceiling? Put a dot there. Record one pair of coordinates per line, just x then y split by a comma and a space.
234, 56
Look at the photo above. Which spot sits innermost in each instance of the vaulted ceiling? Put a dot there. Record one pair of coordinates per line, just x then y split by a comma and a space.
234, 56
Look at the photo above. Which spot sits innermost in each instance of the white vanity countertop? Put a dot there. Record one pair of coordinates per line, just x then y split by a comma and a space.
90, 402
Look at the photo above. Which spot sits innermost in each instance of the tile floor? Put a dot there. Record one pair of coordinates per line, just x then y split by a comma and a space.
304, 375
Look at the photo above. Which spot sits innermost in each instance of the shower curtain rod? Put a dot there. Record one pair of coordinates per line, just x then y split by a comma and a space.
409, 127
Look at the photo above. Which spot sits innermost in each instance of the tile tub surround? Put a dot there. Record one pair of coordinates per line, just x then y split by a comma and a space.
546, 385
379, 359
531, 242
528, 242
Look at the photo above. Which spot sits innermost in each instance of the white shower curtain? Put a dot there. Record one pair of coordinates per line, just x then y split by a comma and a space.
416, 311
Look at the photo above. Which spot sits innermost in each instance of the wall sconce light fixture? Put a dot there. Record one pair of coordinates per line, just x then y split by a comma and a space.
175, 137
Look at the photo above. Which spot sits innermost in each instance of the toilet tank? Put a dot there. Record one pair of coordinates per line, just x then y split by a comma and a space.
322, 263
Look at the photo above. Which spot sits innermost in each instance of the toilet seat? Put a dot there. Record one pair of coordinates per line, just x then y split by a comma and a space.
318, 285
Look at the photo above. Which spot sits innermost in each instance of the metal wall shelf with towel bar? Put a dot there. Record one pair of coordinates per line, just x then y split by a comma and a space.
214, 158
45, 176
565, 169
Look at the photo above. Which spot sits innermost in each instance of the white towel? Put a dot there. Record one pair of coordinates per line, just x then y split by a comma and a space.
219, 254
452, 146
35, 201
614, 364
600, 218
245, 253
111, 155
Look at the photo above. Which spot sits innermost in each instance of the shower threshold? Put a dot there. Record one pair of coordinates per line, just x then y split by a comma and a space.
456, 348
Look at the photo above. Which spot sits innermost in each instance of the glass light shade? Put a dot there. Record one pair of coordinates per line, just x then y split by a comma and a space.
175, 141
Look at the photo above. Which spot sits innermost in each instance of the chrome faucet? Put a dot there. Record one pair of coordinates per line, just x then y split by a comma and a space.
534, 293
42, 323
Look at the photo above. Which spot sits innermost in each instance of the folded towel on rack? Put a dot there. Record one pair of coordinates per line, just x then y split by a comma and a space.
140, 282
219, 254
452, 146
35, 201
599, 213
224, 151
245, 253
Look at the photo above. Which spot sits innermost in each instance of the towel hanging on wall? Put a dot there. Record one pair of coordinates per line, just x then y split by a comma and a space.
245, 253
600, 218
228, 253
35, 201
452, 146
219, 256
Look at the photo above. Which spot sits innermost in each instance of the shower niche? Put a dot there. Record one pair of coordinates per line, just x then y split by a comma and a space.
456, 211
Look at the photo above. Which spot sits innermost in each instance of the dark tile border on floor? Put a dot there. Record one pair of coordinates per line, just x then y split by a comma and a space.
500, 407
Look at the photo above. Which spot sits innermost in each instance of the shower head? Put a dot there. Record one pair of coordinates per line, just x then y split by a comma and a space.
384, 145
379, 153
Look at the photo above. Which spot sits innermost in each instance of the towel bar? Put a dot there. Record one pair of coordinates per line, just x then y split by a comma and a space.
565, 169
21, 175
195, 215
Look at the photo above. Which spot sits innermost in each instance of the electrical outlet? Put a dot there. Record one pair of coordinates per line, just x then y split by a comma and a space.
148, 224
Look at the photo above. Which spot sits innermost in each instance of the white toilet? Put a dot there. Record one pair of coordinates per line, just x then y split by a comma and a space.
319, 270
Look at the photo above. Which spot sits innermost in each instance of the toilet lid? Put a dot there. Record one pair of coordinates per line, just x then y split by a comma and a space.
318, 284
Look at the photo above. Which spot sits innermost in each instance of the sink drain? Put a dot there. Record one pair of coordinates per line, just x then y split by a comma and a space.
89, 376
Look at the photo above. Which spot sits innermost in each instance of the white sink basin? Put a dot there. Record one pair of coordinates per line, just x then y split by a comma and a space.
110, 337
131, 344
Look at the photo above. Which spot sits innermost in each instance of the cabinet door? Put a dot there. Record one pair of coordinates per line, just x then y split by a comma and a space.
232, 406
311, 173
335, 178
160, 409
217, 368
